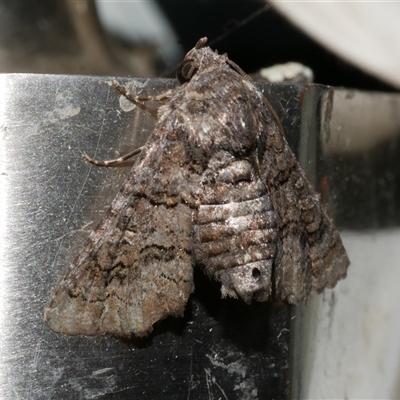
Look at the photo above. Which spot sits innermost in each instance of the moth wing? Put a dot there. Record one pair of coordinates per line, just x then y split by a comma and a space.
311, 254
135, 268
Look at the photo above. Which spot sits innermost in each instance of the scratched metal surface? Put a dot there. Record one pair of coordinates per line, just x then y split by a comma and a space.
50, 199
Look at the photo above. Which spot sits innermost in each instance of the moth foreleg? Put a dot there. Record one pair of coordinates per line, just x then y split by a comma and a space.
114, 162
137, 99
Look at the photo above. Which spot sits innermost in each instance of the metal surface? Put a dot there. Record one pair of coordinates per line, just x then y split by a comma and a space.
345, 342
51, 199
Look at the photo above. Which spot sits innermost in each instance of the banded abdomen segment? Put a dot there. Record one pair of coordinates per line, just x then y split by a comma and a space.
235, 237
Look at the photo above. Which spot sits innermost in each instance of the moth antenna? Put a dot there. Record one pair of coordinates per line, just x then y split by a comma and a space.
247, 78
237, 68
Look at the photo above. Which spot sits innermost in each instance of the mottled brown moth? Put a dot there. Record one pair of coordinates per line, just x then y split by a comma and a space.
216, 186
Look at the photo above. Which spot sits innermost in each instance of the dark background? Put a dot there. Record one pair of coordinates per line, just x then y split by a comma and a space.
265, 40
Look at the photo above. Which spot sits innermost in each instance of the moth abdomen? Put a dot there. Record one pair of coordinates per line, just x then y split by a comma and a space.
236, 242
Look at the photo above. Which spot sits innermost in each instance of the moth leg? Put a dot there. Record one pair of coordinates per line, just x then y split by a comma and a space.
137, 99
115, 162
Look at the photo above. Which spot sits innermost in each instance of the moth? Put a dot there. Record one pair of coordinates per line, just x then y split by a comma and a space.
217, 187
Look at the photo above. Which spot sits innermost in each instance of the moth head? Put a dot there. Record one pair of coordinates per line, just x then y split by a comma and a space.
185, 71
189, 66
201, 56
